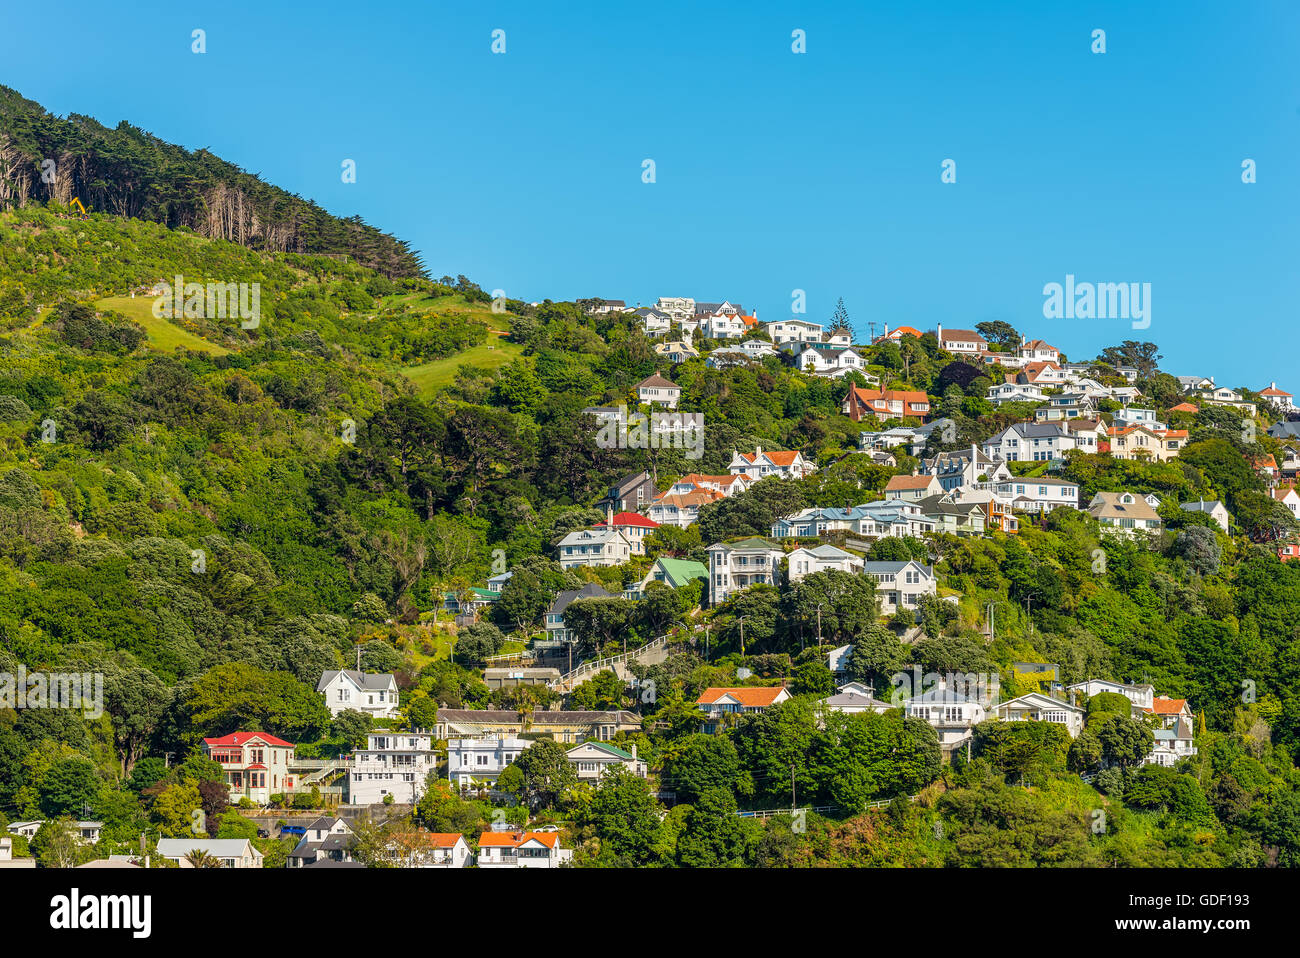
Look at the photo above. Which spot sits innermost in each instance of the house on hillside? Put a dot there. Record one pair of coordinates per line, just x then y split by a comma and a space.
1037, 707
787, 464
373, 694
630, 494
885, 403
556, 631
656, 390
593, 547
716, 703
739, 565
591, 760
392, 763
899, 585
255, 765
631, 525
229, 852
478, 762
1217, 511
540, 849
961, 342
1124, 513
805, 561
912, 488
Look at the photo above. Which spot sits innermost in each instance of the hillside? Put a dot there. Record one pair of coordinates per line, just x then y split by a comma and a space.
128, 172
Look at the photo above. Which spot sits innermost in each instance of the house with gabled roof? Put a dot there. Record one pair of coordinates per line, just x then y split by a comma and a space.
912, 488
785, 463
1037, 707
885, 403
954, 516
373, 694
556, 631
806, 561
1124, 513
677, 351
632, 493
681, 509
591, 760
431, 850
327, 838
1216, 510
229, 852
255, 765
593, 547
961, 342
900, 585
1146, 442
674, 573
896, 334
717, 702
824, 359
656, 390
538, 849
1278, 397
962, 467
1036, 350
854, 697
795, 331
728, 485
1141, 696
655, 321
738, 565
634, 527
1288, 497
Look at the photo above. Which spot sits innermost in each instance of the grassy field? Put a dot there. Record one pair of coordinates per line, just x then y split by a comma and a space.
432, 377
162, 334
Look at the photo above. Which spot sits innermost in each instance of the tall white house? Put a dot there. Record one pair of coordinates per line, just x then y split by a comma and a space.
374, 694
481, 760
392, 763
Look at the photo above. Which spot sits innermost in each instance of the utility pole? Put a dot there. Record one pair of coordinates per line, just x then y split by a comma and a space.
794, 802
742, 636
819, 625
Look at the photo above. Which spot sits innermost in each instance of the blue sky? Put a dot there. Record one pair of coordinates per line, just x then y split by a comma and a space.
775, 171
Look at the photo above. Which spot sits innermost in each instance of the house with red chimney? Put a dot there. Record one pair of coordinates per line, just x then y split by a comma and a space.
885, 403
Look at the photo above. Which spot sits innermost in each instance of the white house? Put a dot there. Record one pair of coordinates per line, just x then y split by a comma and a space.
655, 321
794, 331
540, 849
950, 712
1142, 696
392, 763
900, 584
718, 702
804, 561
854, 697
821, 359
965, 467
634, 528
230, 852
373, 694
1015, 392
786, 463
738, 565
326, 839
1030, 442
1034, 495
593, 547
678, 307
1036, 707
1036, 350
1217, 511
1279, 397
1124, 513
591, 760
445, 850
479, 761
656, 390
961, 342
87, 832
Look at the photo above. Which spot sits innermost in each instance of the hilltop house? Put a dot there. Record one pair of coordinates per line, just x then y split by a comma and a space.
633, 527
1142, 696
475, 762
1217, 511
630, 494
1278, 397
912, 488
823, 359
1034, 495
955, 516
373, 694
794, 331
961, 342
1036, 707
256, 765
677, 351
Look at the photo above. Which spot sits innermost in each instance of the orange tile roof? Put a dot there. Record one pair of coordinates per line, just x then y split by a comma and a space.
697, 497
1271, 391
1162, 705
908, 482
781, 457
499, 839
549, 839
749, 697
1184, 407
442, 839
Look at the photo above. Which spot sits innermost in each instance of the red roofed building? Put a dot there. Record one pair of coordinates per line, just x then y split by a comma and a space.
1279, 397
885, 403
1184, 407
718, 702
788, 464
894, 335
634, 527
256, 765
521, 850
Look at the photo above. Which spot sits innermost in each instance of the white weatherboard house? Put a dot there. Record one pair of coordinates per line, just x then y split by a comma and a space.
1036, 707
539, 849
481, 760
593, 547
230, 852
392, 763
786, 463
804, 561
738, 565
951, 713
370, 693
591, 760
1124, 513
1142, 696
900, 584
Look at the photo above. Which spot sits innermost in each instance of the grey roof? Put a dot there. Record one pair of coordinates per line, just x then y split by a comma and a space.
893, 568
536, 717
844, 699
1285, 430
1034, 430
830, 552
1200, 506
331, 863
941, 505
375, 681
216, 847
589, 591
948, 696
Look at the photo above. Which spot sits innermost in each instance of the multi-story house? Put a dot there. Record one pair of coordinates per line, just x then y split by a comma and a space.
752, 350
885, 403
1278, 397
630, 494
728, 485
900, 584
794, 331
1035, 351
477, 762
655, 390
725, 308
913, 488
632, 526
325, 839
674, 573
1142, 696
817, 521
1217, 511
556, 630
539, 849
854, 697
1034, 495
788, 464
722, 326
609, 306
1288, 497
1137, 416
805, 561
738, 565
950, 712
593, 547
373, 694
591, 760
821, 359
1142, 442
681, 509
1030, 442
1174, 738
255, 765
1010, 392
678, 307
965, 467
655, 322
392, 763
955, 516
896, 518
563, 726
1124, 513
1088, 434
677, 351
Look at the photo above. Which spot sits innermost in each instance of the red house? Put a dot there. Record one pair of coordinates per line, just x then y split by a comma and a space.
256, 764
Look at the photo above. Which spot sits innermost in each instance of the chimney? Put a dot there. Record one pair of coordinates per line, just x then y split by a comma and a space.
939, 333
634, 749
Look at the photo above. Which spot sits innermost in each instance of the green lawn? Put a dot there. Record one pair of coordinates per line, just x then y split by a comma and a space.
433, 377
163, 335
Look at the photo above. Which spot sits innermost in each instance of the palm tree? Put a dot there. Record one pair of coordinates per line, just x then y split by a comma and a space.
201, 859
